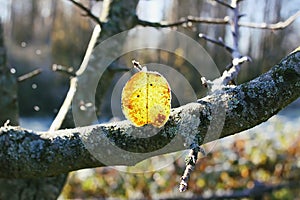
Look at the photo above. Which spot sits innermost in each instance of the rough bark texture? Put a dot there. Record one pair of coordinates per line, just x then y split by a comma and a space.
25, 153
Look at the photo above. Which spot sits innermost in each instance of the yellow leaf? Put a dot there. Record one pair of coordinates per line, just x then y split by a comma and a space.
146, 99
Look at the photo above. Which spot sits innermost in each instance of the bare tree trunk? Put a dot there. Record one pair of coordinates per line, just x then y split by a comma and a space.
8, 89
15, 189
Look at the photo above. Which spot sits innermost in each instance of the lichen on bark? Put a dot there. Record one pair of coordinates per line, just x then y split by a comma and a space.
245, 106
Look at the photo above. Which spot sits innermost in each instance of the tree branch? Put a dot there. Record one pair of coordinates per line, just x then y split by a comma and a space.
185, 20
233, 69
224, 4
87, 11
222, 21
190, 162
29, 75
69, 71
219, 42
276, 26
57, 122
25, 153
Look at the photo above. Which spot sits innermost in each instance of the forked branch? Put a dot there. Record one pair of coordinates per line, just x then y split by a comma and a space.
57, 122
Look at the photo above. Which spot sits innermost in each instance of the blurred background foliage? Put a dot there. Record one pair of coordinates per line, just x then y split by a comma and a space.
250, 164
39, 34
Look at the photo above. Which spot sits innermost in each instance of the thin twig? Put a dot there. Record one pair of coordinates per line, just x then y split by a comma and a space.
224, 4
217, 42
204, 82
190, 161
276, 26
235, 29
234, 68
29, 75
233, 71
89, 50
222, 21
238, 61
185, 20
64, 69
137, 65
56, 124
192, 19
87, 11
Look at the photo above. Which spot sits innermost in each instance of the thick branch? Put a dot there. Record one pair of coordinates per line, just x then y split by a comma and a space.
25, 153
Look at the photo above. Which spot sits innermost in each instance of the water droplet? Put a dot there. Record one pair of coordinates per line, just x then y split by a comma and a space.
34, 86
13, 70
38, 52
23, 44
82, 107
36, 108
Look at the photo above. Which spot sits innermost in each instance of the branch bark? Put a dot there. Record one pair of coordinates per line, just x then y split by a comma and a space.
25, 153
29, 75
61, 115
186, 20
222, 21
275, 26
